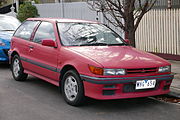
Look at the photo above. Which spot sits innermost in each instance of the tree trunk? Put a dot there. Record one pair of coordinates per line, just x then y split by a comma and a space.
130, 29
131, 37
129, 22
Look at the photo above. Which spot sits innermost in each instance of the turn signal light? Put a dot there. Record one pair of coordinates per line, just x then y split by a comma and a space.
96, 70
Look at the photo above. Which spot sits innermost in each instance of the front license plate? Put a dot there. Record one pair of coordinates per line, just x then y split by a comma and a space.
145, 84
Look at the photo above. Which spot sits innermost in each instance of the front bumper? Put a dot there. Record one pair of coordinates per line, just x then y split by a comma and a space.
118, 88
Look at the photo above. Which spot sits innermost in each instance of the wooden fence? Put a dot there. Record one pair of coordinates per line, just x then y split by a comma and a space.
159, 32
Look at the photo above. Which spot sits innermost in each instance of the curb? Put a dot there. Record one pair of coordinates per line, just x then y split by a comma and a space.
174, 92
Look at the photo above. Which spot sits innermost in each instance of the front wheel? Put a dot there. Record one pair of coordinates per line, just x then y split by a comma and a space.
72, 88
17, 69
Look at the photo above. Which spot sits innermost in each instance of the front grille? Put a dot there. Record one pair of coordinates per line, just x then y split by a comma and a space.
131, 87
6, 51
141, 70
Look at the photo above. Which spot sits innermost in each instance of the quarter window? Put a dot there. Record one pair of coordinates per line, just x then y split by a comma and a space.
44, 32
26, 29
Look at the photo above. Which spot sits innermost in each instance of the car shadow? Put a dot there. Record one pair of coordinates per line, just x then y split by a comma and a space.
4, 66
123, 103
40, 83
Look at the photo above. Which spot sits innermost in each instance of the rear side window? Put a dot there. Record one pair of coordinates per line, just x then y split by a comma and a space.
44, 32
26, 29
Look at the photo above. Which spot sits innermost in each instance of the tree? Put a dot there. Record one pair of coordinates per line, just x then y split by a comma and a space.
27, 10
125, 14
2, 2
37, 1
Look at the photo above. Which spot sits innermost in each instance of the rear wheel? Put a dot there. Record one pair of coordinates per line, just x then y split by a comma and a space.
72, 88
17, 69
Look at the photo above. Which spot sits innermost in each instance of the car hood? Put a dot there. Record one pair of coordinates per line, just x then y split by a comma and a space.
6, 35
120, 56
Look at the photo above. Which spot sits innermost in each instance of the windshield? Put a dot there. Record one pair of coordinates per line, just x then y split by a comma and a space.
87, 34
8, 23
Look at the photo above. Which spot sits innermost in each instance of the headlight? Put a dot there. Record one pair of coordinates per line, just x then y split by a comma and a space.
101, 71
165, 69
114, 72
1, 43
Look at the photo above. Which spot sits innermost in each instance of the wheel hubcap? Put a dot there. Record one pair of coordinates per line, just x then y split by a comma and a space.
71, 88
16, 68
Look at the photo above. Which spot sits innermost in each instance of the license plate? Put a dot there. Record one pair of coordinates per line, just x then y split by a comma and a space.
145, 84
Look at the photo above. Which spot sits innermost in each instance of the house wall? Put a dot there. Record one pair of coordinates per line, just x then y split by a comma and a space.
74, 10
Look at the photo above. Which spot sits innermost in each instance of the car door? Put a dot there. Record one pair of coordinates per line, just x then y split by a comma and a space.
44, 58
21, 39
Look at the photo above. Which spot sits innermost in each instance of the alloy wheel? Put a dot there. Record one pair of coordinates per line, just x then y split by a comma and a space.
71, 88
16, 67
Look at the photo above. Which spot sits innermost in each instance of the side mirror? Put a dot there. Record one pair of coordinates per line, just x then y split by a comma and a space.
127, 41
50, 43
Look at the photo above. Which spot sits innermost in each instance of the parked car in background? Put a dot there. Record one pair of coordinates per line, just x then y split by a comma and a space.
8, 25
86, 59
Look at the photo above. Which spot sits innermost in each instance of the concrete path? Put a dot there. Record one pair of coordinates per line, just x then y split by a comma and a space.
175, 86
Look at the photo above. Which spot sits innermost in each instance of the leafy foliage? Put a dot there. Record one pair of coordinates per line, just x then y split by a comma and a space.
37, 1
27, 10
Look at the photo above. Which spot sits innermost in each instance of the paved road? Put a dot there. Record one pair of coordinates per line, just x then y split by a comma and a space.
38, 100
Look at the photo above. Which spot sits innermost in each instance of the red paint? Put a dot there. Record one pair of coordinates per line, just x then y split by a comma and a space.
49, 43
120, 55
53, 59
95, 91
168, 56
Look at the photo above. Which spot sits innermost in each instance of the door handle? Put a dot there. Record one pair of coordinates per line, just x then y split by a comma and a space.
31, 47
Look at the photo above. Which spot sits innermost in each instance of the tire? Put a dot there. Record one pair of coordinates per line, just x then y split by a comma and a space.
72, 88
17, 69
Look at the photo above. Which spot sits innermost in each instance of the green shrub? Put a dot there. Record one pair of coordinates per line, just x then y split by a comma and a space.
37, 1
27, 10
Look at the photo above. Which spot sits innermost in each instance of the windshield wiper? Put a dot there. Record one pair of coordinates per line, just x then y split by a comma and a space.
7, 30
103, 44
118, 44
94, 44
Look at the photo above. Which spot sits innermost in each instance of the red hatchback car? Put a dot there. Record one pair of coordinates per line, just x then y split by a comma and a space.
86, 59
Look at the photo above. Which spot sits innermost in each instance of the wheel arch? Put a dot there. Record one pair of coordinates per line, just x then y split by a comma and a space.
12, 55
65, 69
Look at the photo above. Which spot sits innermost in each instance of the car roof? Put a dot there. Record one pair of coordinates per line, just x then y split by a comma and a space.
63, 20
